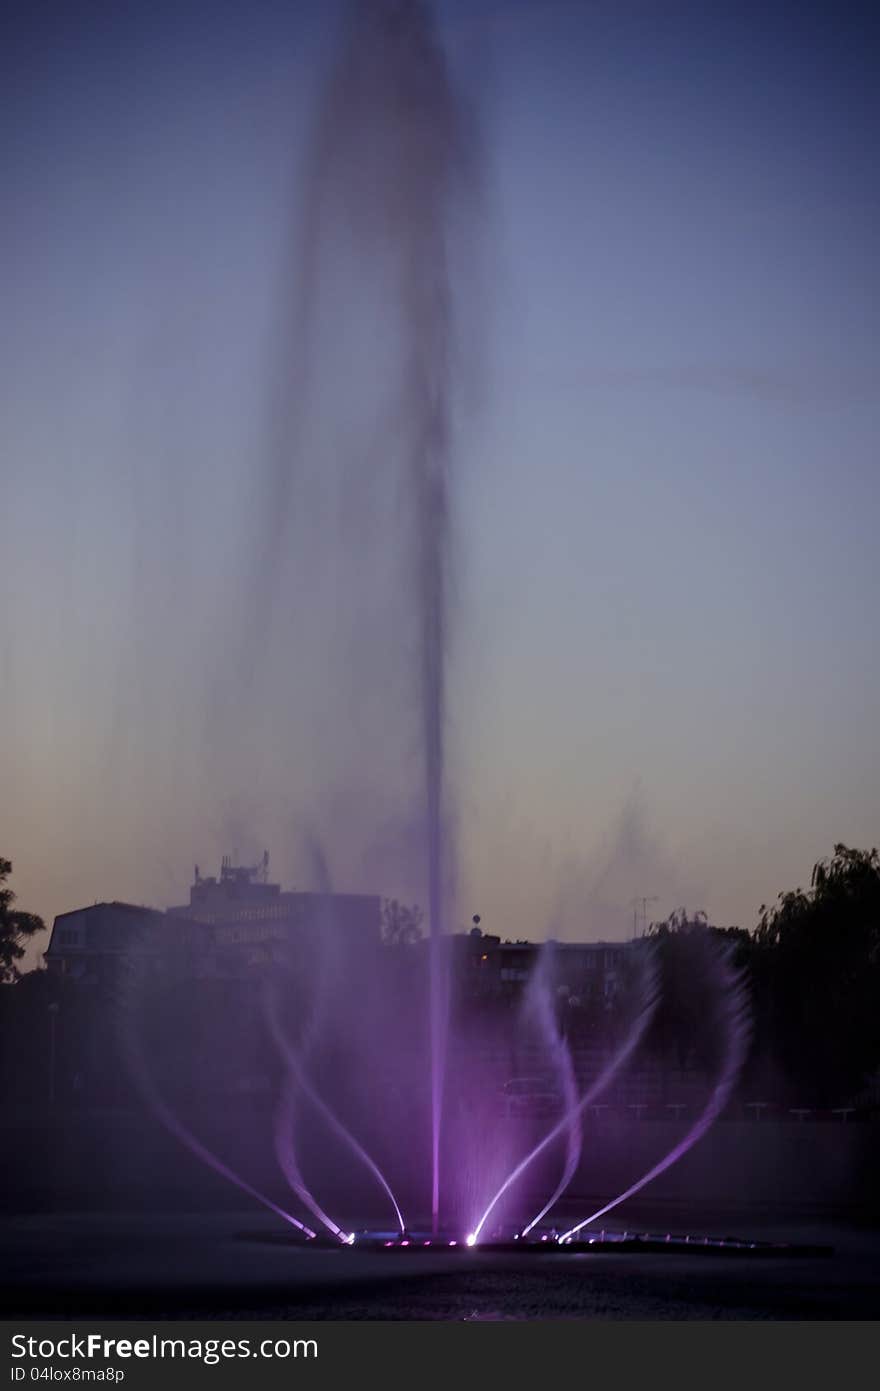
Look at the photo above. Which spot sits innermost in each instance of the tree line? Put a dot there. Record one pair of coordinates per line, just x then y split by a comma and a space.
812, 966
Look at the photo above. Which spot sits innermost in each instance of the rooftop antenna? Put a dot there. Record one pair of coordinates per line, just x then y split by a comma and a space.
642, 902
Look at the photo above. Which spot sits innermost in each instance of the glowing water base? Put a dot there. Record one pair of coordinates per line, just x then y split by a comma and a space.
551, 1244
612, 1242
321, 1207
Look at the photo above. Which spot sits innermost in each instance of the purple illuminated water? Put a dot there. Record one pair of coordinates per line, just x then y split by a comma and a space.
142, 1074
374, 1089
314, 1088
539, 997
645, 1003
298, 1080
387, 175
729, 1015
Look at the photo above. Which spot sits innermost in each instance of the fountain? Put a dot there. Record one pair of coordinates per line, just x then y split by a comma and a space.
346, 1118
377, 1098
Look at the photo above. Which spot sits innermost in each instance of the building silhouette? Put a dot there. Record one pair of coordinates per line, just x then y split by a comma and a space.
234, 923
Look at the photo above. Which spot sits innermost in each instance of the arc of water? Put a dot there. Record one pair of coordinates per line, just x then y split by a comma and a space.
287, 1160
649, 999
737, 1024
574, 1144
140, 1074
561, 1053
297, 1071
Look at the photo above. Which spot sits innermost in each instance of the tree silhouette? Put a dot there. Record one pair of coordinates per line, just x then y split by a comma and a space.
822, 959
15, 928
678, 1031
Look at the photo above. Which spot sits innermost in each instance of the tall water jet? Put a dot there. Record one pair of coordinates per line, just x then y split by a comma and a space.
388, 173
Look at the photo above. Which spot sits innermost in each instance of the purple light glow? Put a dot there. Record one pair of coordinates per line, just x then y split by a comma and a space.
287, 1159
143, 1079
561, 1053
649, 995
731, 1021
296, 1071
735, 1022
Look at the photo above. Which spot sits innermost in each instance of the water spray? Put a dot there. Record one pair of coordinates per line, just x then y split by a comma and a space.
648, 999
735, 1023
298, 1076
139, 1071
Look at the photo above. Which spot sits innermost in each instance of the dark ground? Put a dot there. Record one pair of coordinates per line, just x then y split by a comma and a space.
239, 1266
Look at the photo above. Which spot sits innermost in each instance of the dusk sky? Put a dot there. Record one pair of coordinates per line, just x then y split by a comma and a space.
664, 672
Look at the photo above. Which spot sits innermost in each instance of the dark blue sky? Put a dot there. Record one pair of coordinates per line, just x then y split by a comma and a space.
665, 677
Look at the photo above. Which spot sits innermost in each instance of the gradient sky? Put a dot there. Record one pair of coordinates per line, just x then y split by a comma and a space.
665, 676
